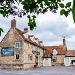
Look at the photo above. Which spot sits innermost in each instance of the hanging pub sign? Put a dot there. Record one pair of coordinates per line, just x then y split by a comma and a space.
7, 51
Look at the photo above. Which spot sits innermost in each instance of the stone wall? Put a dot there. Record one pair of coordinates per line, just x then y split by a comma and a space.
22, 63
58, 60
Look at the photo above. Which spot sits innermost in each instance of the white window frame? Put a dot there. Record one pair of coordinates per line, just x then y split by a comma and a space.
16, 45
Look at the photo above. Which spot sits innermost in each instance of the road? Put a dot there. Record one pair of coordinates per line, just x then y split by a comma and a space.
43, 71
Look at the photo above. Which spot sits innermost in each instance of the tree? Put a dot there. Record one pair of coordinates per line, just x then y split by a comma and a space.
34, 7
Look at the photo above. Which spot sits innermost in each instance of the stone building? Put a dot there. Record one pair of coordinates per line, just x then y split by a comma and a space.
58, 55
69, 59
18, 50
54, 55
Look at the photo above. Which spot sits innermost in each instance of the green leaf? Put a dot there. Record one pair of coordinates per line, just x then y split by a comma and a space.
62, 11
68, 4
66, 13
61, 5
31, 23
28, 16
34, 16
73, 13
1, 30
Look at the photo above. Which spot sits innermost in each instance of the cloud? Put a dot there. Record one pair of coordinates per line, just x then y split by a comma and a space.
50, 28
71, 42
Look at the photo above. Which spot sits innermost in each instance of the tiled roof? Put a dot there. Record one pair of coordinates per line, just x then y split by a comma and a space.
27, 39
47, 54
60, 49
70, 53
49, 50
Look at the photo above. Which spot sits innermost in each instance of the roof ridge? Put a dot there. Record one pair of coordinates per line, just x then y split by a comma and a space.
28, 40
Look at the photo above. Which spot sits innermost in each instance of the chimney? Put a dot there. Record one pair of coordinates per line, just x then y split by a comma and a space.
25, 30
13, 23
64, 43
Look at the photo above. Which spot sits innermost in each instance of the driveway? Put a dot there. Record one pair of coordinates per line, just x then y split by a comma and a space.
56, 70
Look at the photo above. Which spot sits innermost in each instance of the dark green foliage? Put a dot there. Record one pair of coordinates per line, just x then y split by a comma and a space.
73, 10
1, 30
63, 12
68, 4
61, 5
35, 7
32, 23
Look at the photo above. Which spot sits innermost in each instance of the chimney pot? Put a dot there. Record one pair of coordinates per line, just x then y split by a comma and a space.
25, 30
13, 23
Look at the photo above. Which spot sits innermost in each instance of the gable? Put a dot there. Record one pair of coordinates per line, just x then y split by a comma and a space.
60, 49
55, 52
10, 38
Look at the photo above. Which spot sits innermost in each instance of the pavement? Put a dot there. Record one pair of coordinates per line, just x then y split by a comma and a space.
55, 70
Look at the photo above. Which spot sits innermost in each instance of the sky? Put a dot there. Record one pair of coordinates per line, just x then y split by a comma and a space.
50, 28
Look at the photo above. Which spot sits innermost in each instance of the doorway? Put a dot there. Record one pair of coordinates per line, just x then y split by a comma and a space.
73, 62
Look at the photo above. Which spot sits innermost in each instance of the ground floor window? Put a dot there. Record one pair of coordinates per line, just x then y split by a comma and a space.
17, 56
54, 59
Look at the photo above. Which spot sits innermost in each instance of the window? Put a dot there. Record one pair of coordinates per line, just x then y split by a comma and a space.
17, 56
29, 46
37, 49
29, 57
17, 44
54, 59
46, 58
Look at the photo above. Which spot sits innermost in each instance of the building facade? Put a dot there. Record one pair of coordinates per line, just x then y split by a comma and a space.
19, 51
55, 54
69, 59
58, 55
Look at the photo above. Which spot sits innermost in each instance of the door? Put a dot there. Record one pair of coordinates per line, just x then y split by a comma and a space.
36, 60
45, 62
73, 62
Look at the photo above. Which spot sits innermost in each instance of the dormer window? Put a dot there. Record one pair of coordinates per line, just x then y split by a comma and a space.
55, 52
17, 45
29, 46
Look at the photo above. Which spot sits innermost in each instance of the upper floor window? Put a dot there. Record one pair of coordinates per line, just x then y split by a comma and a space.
29, 46
37, 49
29, 57
17, 44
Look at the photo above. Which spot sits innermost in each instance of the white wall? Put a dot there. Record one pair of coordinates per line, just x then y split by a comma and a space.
67, 61
47, 62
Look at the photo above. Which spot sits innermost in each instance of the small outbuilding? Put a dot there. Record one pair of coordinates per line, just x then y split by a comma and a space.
47, 59
69, 59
